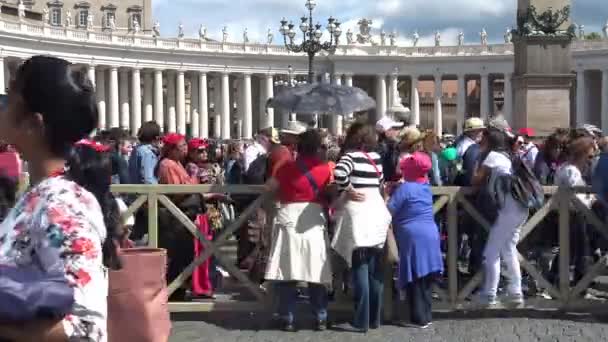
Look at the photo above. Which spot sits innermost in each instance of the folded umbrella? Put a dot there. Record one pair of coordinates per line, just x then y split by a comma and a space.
322, 98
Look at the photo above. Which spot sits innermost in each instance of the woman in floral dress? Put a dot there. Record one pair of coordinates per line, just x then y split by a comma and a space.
68, 217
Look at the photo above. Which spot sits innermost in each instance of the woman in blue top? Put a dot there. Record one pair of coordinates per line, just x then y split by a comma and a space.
417, 237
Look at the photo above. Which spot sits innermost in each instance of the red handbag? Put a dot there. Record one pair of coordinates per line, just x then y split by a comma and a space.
137, 297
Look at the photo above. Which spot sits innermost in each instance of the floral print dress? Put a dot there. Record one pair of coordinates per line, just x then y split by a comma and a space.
58, 223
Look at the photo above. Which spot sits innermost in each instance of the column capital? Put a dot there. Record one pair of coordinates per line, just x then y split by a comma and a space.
180, 71
113, 68
484, 74
348, 74
438, 77
136, 69
461, 76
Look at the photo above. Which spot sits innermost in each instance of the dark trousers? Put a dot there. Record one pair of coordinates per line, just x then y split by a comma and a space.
368, 283
288, 295
420, 300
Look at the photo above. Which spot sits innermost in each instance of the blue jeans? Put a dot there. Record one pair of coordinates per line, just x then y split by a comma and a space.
287, 300
368, 283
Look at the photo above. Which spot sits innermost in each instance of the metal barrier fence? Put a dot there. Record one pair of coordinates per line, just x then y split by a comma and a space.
450, 200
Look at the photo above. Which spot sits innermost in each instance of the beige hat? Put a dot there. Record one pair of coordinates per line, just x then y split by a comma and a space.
294, 128
473, 123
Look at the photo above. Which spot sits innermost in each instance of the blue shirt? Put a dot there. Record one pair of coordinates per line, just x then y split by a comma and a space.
599, 183
142, 164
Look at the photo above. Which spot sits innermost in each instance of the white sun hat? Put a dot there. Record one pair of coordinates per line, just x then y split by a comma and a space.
294, 128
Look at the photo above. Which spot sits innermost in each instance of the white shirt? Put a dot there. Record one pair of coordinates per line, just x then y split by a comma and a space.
252, 153
463, 145
528, 155
500, 162
570, 176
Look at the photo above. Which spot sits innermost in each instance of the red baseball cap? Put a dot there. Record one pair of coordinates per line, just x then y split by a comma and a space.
197, 144
172, 138
529, 132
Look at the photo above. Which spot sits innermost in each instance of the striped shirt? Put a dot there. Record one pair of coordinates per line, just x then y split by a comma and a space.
355, 169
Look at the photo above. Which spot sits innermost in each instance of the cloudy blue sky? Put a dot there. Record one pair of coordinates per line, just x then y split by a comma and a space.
404, 16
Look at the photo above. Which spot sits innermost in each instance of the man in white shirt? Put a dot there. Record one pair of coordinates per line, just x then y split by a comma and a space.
473, 131
259, 147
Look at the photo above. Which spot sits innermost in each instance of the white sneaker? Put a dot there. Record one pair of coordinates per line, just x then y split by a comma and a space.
485, 301
513, 299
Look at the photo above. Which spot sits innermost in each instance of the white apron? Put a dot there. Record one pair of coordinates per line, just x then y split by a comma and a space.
300, 245
361, 224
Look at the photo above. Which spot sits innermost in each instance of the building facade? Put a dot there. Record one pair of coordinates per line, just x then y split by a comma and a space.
101, 15
219, 88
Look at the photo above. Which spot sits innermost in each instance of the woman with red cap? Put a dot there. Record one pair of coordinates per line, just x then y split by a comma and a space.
173, 236
203, 172
417, 235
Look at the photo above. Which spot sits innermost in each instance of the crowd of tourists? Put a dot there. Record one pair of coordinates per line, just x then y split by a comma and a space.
342, 206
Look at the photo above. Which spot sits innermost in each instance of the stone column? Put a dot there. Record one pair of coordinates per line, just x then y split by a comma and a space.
380, 96
217, 101
484, 97
124, 99
337, 123
180, 106
225, 105
415, 102
581, 98
114, 104
135, 101
438, 119
604, 114
2, 83
159, 106
203, 105
148, 96
461, 103
170, 119
348, 81
262, 103
247, 107
91, 74
269, 93
507, 109
101, 98
195, 121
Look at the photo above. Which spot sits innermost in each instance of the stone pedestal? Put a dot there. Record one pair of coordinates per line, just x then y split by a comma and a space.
542, 78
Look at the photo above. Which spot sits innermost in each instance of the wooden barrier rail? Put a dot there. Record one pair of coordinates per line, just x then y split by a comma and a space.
450, 200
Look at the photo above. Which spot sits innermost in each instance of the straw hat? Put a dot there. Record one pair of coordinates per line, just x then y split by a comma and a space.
474, 123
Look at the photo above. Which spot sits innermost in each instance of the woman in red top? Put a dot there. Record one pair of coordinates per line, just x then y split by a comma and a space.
300, 245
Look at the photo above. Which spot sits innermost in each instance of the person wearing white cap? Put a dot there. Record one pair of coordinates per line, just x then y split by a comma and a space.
388, 131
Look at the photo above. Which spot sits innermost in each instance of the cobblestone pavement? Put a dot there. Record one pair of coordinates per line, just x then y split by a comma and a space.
494, 327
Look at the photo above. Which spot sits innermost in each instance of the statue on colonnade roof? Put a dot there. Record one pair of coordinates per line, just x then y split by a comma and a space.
202, 32
364, 36
484, 37
605, 30
509, 35
224, 35
437, 38
416, 38
460, 38
349, 37
269, 37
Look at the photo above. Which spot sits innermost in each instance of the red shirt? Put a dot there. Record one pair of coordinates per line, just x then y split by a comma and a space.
294, 186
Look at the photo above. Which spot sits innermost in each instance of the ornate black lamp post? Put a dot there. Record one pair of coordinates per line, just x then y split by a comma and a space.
311, 41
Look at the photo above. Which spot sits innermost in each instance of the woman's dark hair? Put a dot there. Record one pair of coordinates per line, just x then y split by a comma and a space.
309, 143
63, 95
8, 194
558, 142
148, 132
579, 147
498, 141
92, 170
360, 136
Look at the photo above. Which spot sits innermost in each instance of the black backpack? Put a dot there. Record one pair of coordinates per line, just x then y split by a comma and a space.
258, 170
526, 188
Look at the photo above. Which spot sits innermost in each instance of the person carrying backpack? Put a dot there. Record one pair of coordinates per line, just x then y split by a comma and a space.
511, 215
